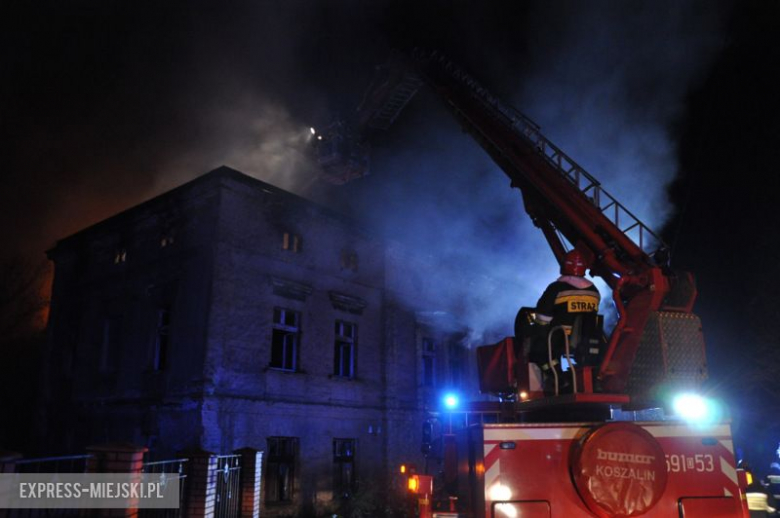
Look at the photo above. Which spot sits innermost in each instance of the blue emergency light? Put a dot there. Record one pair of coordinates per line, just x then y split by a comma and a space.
451, 401
696, 409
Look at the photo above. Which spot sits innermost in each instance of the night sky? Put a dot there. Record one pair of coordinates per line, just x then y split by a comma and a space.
673, 105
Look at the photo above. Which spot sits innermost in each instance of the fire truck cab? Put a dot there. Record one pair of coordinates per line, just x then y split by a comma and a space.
652, 469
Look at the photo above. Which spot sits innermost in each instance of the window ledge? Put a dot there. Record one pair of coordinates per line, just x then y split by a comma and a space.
347, 303
290, 289
284, 371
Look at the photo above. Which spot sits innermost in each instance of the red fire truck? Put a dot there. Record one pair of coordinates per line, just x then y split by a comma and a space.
604, 448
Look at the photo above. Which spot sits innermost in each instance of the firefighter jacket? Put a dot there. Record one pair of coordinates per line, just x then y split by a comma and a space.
774, 485
760, 502
566, 298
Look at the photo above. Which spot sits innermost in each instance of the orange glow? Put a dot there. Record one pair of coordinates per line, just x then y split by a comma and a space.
41, 318
403, 468
524, 395
413, 484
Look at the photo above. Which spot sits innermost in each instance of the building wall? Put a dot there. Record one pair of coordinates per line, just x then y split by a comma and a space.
110, 281
223, 276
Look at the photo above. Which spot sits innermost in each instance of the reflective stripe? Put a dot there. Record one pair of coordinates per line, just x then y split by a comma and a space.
580, 297
532, 434
757, 501
543, 319
717, 430
727, 469
574, 293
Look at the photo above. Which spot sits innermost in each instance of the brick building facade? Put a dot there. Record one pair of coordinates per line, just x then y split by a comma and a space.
229, 313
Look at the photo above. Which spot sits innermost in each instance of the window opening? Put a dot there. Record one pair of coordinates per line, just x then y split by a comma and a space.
344, 355
284, 339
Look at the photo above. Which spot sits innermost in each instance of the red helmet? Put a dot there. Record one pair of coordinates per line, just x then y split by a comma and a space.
574, 263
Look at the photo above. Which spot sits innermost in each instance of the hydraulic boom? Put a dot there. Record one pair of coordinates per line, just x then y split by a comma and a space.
657, 339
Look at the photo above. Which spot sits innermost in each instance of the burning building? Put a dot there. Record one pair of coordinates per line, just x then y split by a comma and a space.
229, 313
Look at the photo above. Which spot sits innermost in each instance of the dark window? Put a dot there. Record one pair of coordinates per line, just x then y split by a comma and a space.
429, 379
343, 467
429, 362
162, 343
110, 343
349, 260
344, 355
280, 470
291, 242
284, 339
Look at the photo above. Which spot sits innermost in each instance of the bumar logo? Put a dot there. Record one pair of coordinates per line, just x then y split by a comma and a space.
631, 458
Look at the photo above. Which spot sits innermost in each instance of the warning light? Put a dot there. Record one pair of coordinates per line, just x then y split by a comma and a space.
403, 468
413, 483
749, 477
690, 407
696, 409
523, 395
451, 401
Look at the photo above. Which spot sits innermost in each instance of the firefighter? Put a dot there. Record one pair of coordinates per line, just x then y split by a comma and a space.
761, 503
774, 477
570, 296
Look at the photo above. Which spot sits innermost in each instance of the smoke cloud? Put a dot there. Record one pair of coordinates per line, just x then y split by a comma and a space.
109, 104
607, 83
257, 137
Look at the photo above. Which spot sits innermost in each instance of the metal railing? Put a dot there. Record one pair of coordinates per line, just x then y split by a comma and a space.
62, 464
228, 496
521, 125
166, 470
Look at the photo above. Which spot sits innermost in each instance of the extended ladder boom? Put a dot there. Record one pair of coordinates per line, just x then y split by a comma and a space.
564, 201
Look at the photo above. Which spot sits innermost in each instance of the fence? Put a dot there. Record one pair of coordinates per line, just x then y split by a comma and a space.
64, 464
227, 503
211, 486
167, 470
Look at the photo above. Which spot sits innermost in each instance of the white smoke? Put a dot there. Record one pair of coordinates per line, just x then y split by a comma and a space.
256, 136
607, 85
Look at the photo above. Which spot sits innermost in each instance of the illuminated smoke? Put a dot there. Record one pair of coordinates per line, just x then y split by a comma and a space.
610, 82
606, 82
167, 97
255, 136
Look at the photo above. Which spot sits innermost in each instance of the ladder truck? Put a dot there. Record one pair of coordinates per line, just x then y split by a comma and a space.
604, 448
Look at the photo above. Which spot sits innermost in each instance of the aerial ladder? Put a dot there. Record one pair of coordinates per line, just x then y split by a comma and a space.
602, 450
657, 344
